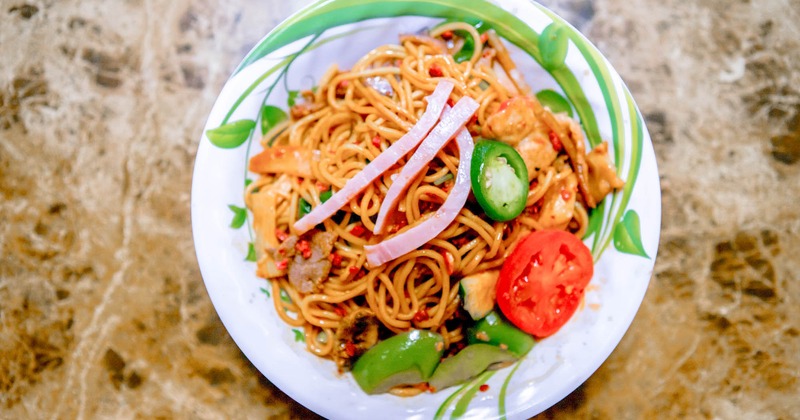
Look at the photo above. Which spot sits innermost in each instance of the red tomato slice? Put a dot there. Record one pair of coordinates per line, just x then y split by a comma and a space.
543, 280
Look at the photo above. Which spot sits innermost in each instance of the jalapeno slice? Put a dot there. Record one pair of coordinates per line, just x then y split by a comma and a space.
499, 180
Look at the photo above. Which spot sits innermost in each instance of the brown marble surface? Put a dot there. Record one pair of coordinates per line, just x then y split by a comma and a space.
103, 313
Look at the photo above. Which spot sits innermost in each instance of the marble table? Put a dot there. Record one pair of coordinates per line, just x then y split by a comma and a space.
103, 312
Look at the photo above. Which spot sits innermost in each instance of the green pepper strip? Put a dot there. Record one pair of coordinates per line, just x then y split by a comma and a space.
493, 329
471, 361
404, 359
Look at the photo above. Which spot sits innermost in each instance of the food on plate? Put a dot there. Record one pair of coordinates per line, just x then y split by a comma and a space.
410, 197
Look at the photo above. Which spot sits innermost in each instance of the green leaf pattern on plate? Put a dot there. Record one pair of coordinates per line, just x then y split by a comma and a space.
553, 45
239, 216
251, 252
270, 117
231, 135
293, 94
628, 235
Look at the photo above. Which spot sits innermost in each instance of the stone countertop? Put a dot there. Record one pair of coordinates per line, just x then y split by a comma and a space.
103, 312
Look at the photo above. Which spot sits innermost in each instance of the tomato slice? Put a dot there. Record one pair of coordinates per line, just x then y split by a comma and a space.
543, 280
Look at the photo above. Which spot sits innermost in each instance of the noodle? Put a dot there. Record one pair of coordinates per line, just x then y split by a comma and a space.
351, 117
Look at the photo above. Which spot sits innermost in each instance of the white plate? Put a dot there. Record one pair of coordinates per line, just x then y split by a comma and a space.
624, 241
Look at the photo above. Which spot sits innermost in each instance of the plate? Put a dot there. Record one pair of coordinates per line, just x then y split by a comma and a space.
623, 236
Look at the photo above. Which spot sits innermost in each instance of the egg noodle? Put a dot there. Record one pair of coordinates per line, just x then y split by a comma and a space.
350, 118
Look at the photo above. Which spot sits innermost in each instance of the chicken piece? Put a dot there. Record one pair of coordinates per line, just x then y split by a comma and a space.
292, 160
538, 153
514, 120
602, 173
572, 140
558, 203
307, 260
357, 333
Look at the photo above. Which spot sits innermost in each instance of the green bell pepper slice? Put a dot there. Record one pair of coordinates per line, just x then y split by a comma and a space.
405, 359
495, 330
468, 363
499, 180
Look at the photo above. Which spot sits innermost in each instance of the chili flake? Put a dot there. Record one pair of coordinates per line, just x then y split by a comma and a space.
336, 259
435, 71
556, 142
282, 264
421, 315
449, 262
350, 348
358, 230
304, 248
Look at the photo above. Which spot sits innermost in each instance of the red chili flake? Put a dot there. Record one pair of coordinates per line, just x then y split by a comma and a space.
361, 274
450, 102
343, 83
350, 348
421, 315
484, 37
340, 311
282, 264
484, 388
358, 230
353, 269
565, 194
449, 262
532, 186
447, 35
336, 259
304, 248
376, 141
321, 187
435, 71
281, 234
556, 142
